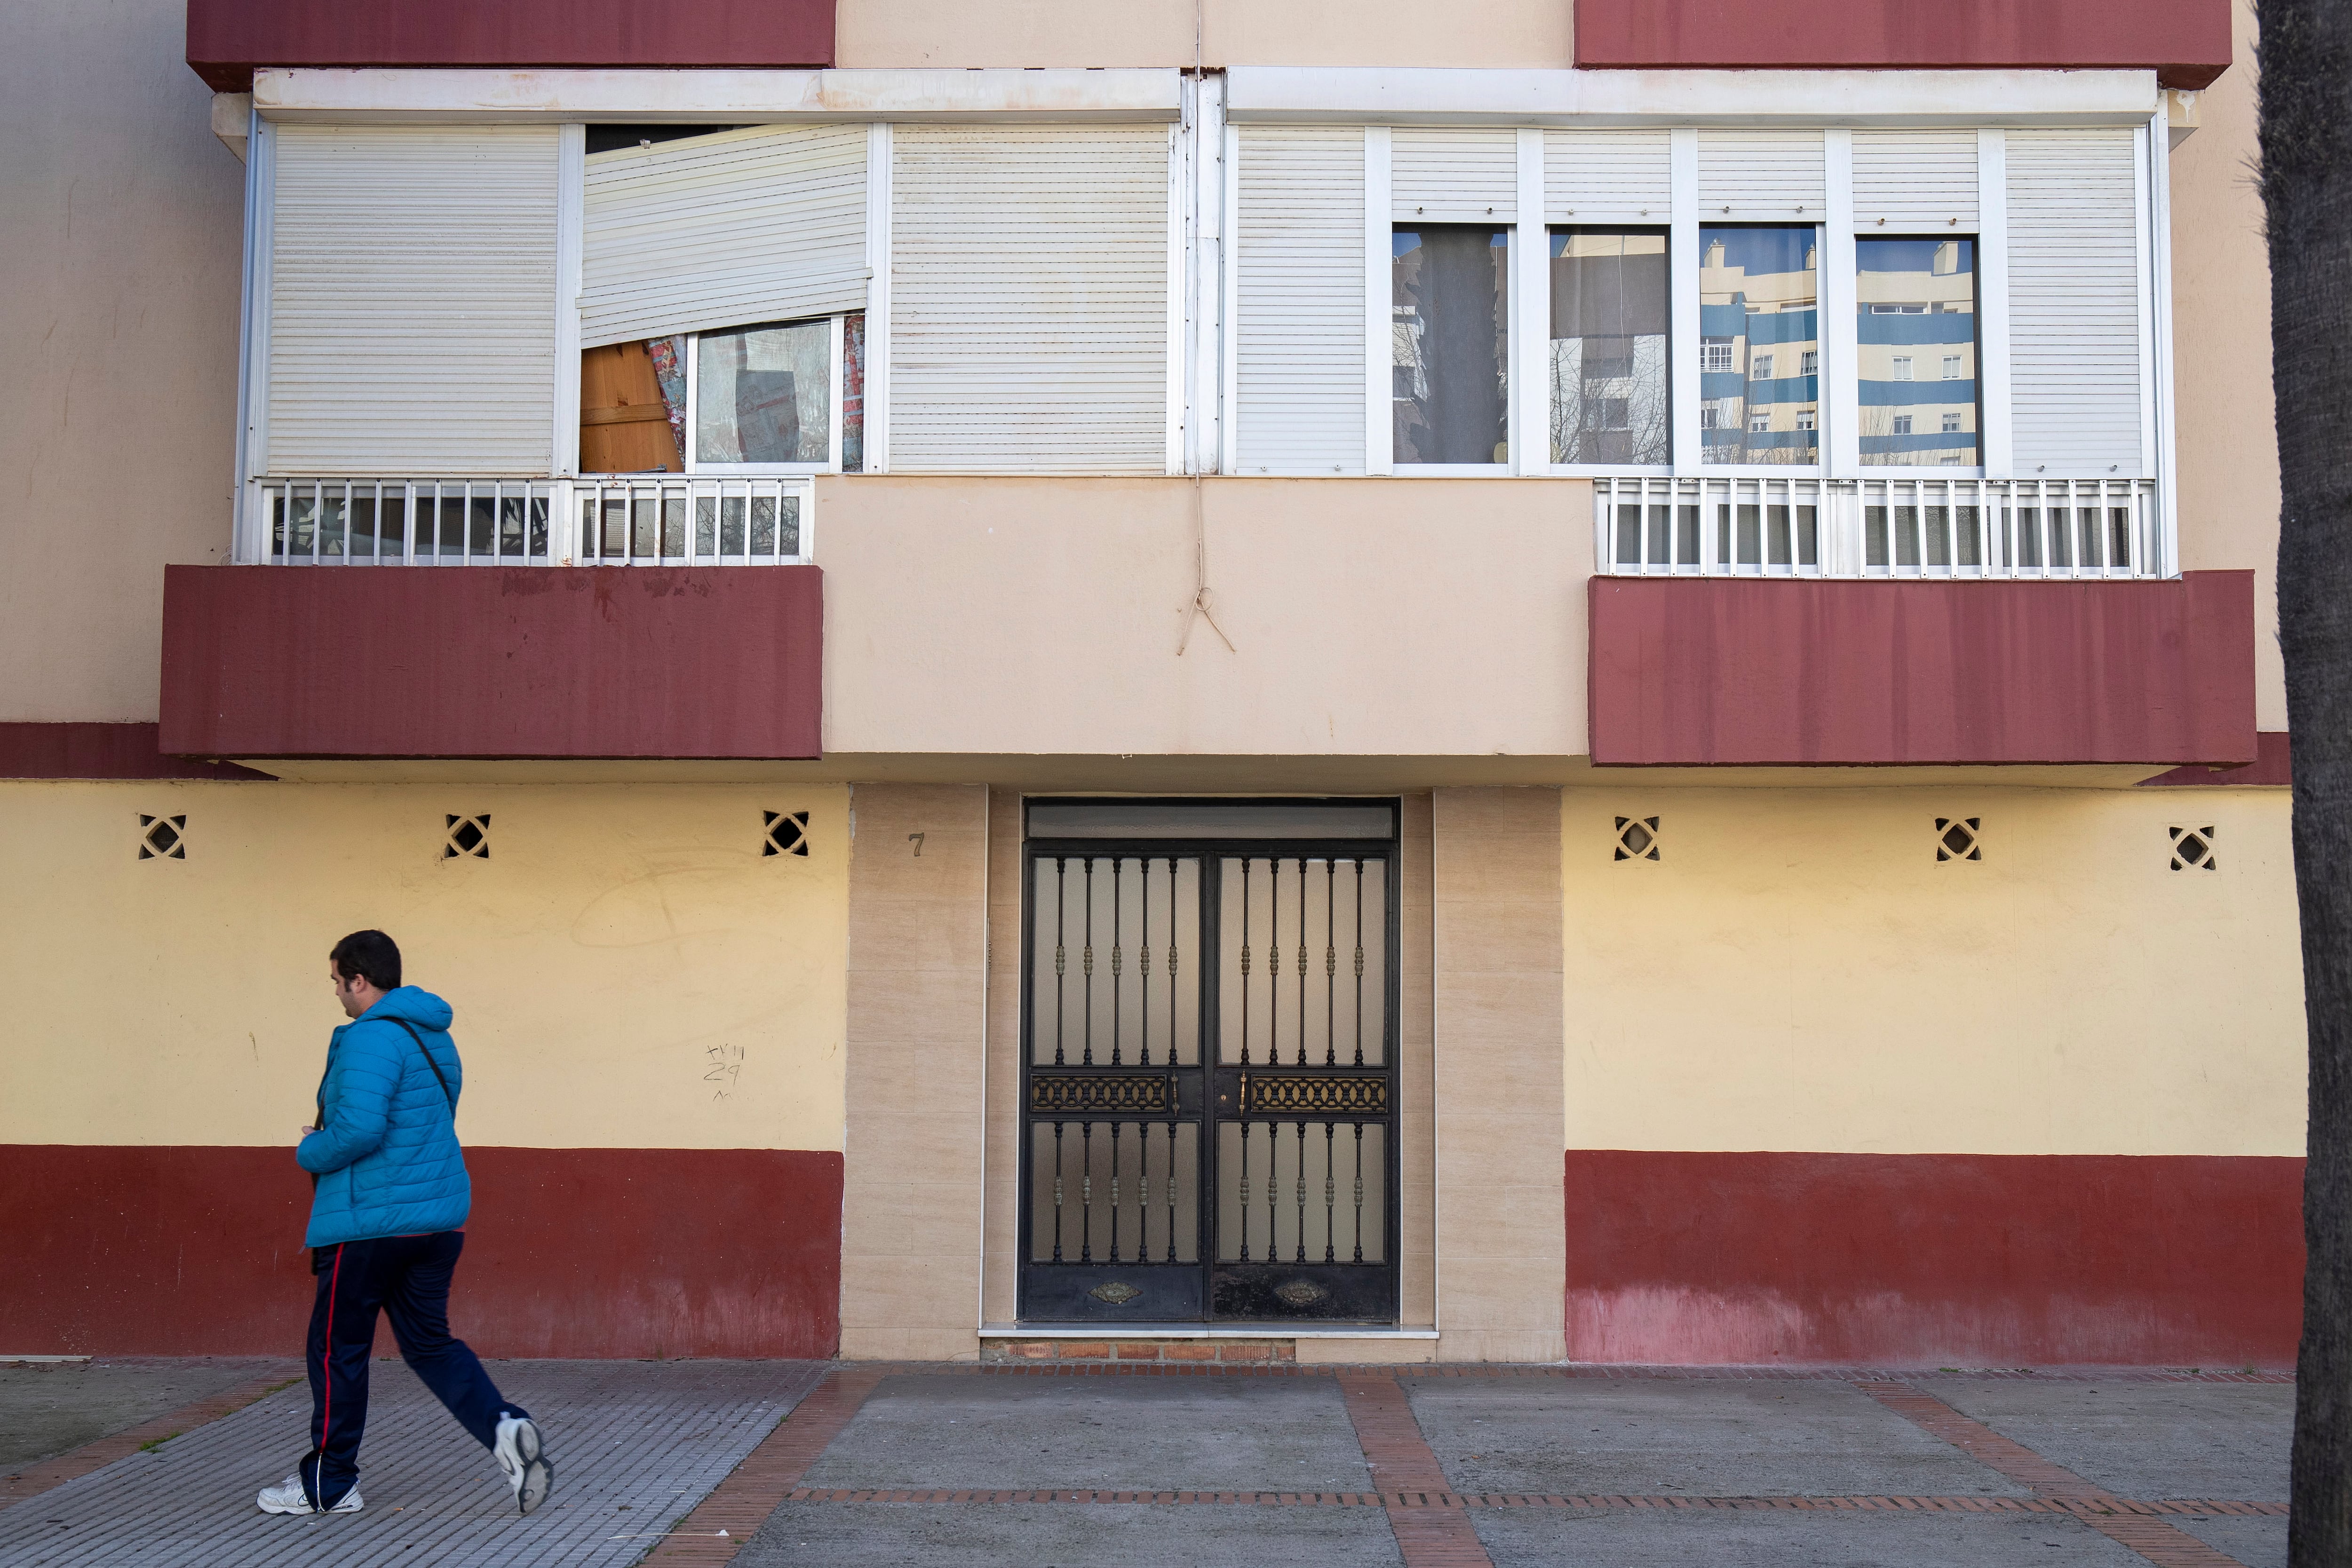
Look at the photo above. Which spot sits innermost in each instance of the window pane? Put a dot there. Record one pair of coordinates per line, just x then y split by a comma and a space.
1918, 300
764, 395
1608, 347
1760, 382
1451, 336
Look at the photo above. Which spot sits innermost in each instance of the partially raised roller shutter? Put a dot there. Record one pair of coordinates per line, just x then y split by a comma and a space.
1299, 300
2073, 303
412, 301
1607, 177
1923, 182
1449, 175
1760, 177
721, 231
1029, 300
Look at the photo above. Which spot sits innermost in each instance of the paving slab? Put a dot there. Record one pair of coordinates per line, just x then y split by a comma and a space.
1069, 1535
2256, 1542
636, 1444
976, 1432
2142, 1439
1695, 1438
48, 1408
1548, 1538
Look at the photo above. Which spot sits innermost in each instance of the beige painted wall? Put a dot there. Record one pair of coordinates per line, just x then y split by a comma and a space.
1370, 617
917, 990
2227, 444
1501, 1240
1796, 972
120, 221
627, 970
1513, 33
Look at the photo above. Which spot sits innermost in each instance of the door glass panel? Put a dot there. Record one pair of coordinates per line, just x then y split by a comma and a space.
1302, 1192
1114, 941
1106, 1192
1304, 974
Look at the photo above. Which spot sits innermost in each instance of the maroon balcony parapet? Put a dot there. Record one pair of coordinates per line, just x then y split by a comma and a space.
2185, 42
493, 662
1708, 672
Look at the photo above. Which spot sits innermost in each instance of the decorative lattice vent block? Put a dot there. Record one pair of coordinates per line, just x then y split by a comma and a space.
787, 833
469, 838
2192, 849
1960, 838
163, 838
1637, 838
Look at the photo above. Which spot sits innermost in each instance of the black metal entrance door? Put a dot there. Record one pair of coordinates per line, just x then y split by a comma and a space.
1209, 1079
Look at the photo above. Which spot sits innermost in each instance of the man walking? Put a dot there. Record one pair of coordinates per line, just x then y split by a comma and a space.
386, 1226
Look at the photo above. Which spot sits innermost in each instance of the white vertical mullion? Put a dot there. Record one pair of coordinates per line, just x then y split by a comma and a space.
878, 298
1682, 277
2158, 313
1992, 304
693, 380
1839, 332
1530, 434
1177, 425
252, 366
1228, 337
570, 196
1207, 201
1380, 333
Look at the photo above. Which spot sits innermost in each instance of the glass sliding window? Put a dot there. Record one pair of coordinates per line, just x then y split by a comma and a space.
1608, 347
1449, 304
1760, 344
1917, 305
764, 395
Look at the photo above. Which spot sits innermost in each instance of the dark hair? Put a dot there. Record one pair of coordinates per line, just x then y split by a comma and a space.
370, 954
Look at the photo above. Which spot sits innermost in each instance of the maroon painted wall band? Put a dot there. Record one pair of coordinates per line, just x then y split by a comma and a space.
1706, 672
228, 38
493, 662
100, 751
1934, 1259
147, 1250
2185, 42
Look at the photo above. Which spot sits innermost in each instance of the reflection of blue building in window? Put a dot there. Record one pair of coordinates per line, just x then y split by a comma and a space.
1759, 345
1917, 332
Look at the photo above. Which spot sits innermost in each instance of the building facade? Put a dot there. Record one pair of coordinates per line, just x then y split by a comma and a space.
811, 568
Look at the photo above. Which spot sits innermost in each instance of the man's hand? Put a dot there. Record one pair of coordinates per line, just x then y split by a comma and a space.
301, 1134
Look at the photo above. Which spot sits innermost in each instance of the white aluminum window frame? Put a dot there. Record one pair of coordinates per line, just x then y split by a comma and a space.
837, 340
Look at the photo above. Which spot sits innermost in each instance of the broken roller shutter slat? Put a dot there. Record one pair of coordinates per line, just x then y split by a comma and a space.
1299, 306
1607, 177
1922, 181
1029, 300
2073, 303
1445, 176
1760, 177
746, 226
412, 301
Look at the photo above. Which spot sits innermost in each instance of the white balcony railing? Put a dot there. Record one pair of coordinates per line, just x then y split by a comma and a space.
617, 521
1952, 529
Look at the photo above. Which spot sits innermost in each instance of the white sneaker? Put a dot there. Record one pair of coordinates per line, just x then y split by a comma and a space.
521, 1455
288, 1496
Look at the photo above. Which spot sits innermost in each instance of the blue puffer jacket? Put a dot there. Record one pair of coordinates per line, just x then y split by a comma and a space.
386, 1157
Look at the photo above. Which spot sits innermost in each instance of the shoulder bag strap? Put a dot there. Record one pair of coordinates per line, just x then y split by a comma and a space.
431, 1063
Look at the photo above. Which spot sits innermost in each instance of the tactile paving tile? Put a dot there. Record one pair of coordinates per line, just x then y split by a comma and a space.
635, 1445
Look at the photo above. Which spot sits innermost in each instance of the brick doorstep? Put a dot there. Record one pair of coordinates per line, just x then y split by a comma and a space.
35, 1479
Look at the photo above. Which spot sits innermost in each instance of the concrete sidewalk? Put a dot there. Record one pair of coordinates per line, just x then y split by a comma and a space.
968, 1466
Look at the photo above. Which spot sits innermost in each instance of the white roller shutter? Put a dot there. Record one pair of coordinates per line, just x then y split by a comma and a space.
412, 301
2074, 302
1606, 177
719, 231
1443, 175
1029, 300
1920, 180
1299, 300
1760, 177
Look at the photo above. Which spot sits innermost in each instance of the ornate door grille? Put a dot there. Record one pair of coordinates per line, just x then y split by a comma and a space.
1209, 1078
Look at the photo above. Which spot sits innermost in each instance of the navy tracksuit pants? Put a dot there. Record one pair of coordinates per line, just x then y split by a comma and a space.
406, 1278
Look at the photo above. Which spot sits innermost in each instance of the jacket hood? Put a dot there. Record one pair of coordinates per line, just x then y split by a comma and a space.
421, 1008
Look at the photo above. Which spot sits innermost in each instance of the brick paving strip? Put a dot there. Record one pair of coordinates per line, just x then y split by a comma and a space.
1432, 1529
35, 1479
736, 1508
2075, 1508
2119, 1522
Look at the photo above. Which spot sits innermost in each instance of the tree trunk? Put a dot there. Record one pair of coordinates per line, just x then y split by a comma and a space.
2305, 57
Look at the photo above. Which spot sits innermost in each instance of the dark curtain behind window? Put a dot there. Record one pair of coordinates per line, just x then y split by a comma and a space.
1451, 331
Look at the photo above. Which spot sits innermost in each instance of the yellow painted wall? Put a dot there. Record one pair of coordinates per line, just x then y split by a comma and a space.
620, 946
1796, 972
